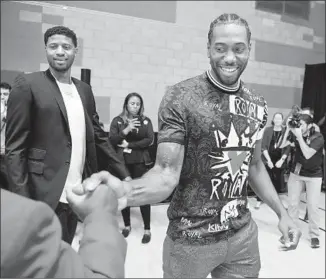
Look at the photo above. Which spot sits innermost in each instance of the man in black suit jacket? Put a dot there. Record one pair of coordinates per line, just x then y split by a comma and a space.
53, 136
32, 247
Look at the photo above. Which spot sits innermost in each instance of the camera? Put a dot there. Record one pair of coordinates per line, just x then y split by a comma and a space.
294, 122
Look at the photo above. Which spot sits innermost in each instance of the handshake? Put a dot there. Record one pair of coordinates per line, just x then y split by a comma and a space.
102, 192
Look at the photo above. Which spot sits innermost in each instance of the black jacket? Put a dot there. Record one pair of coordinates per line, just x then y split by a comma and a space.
38, 141
139, 140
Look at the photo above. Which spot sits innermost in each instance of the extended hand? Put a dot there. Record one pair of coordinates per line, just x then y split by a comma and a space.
100, 200
104, 177
291, 234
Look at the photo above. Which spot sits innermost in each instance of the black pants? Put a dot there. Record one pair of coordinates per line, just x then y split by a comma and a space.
68, 220
137, 170
3, 173
277, 178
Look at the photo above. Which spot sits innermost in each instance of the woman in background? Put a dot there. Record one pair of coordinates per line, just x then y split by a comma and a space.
131, 133
272, 155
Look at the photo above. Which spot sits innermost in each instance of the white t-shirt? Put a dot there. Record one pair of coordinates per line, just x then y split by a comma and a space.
76, 120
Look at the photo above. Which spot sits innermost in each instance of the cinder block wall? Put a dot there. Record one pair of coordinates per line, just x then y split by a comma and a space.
146, 53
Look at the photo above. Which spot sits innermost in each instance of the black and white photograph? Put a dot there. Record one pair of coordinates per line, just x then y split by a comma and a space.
163, 139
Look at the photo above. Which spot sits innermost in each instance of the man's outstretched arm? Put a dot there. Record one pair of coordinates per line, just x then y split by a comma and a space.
159, 182
261, 183
154, 186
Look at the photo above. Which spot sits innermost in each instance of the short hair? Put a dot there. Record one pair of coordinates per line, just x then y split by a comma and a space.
5, 85
307, 111
306, 118
60, 30
228, 19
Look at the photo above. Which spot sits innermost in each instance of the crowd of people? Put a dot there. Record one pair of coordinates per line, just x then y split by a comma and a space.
58, 167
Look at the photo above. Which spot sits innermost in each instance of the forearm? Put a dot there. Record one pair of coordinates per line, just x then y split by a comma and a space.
102, 250
321, 121
117, 136
105, 149
153, 187
140, 144
116, 139
306, 150
17, 137
283, 157
17, 175
261, 184
17, 171
95, 241
266, 154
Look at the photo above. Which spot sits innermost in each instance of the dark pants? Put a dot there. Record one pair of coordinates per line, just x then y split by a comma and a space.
68, 220
137, 170
277, 178
3, 173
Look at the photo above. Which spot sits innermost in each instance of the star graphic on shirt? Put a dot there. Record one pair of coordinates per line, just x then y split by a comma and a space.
232, 159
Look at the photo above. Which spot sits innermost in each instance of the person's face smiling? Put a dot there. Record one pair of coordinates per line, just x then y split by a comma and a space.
228, 52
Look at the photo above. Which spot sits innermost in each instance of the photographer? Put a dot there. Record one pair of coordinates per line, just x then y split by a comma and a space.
306, 171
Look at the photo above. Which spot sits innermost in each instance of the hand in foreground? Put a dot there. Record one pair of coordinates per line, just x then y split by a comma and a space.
104, 177
291, 234
88, 200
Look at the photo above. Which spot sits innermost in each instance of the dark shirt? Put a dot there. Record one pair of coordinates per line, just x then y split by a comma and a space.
270, 139
139, 140
311, 167
275, 153
219, 130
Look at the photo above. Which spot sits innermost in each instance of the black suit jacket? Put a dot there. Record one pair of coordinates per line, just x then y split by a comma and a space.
38, 141
31, 245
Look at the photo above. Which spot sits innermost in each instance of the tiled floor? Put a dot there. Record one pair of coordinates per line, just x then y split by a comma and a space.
145, 261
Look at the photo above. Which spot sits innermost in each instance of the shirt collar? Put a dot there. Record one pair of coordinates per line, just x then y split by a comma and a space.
221, 86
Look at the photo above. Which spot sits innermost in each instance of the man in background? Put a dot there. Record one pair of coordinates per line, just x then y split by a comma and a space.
53, 135
5, 91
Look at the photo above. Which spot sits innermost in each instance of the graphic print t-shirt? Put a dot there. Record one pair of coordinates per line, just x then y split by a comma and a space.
219, 130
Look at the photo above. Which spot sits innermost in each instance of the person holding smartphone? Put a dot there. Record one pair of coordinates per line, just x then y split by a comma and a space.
131, 133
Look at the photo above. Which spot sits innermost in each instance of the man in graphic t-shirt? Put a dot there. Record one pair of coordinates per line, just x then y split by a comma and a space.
209, 145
